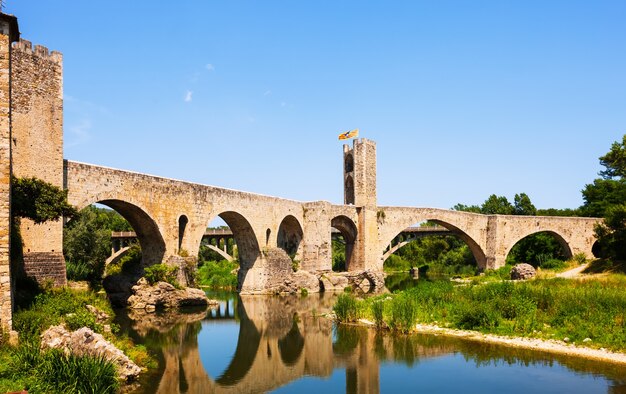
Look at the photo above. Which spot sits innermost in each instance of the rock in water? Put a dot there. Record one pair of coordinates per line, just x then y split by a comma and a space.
165, 295
523, 271
85, 342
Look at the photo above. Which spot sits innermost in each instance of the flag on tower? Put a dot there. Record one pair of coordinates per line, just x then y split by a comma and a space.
349, 134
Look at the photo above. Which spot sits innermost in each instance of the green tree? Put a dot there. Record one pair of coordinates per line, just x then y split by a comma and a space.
523, 206
606, 198
497, 205
87, 241
38, 200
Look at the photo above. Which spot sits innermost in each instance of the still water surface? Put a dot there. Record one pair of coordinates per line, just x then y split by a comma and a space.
282, 345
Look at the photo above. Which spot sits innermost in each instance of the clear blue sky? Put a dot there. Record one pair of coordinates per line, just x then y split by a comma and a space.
464, 98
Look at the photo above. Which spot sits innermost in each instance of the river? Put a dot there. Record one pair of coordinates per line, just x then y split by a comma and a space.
259, 344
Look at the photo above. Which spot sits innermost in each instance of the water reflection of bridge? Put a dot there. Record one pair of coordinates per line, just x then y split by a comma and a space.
280, 341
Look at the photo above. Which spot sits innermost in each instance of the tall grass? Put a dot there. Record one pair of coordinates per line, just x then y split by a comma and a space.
346, 308
549, 309
55, 372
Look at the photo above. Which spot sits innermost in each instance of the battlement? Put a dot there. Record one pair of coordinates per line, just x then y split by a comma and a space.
40, 51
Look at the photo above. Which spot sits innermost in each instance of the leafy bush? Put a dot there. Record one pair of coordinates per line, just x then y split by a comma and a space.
162, 273
128, 264
554, 264
217, 275
346, 308
396, 263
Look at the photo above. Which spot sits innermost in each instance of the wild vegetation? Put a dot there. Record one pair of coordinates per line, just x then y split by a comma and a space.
214, 272
28, 367
87, 242
548, 309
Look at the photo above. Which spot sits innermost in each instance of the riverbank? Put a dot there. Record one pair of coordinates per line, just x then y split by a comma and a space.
541, 345
583, 318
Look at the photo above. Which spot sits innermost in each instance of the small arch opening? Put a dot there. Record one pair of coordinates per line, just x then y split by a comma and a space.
343, 237
349, 191
348, 165
182, 226
290, 236
268, 233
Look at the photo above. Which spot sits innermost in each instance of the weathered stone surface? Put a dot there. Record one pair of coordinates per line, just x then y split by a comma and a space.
282, 279
85, 342
119, 288
365, 281
523, 271
332, 282
164, 295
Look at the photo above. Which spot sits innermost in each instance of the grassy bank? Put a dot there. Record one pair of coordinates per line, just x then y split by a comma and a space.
592, 312
27, 367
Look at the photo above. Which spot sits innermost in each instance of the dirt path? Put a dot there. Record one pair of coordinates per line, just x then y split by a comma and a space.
573, 273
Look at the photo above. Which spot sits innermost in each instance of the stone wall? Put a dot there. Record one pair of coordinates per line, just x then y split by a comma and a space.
6, 298
37, 144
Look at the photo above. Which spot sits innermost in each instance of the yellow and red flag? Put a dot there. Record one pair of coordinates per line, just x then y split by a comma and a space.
349, 134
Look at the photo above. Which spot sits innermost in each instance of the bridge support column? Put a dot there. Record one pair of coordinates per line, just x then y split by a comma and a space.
368, 257
317, 246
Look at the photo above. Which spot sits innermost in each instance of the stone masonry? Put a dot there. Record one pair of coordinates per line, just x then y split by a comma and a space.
37, 148
8, 34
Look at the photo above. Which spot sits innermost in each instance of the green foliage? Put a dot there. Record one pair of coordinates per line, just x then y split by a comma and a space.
38, 200
396, 263
523, 206
339, 255
346, 308
438, 255
477, 316
606, 198
87, 242
403, 313
162, 273
549, 309
497, 205
59, 306
128, 264
378, 311
615, 161
55, 372
218, 275
536, 248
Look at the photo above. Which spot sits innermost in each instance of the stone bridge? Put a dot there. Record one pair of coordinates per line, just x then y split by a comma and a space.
170, 219
170, 216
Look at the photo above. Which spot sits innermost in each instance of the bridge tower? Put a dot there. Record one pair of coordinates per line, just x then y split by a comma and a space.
359, 180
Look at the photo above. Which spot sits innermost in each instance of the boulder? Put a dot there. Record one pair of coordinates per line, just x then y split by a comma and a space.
162, 294
522, 272
85, 342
